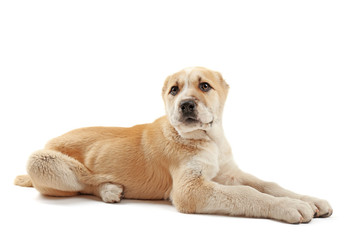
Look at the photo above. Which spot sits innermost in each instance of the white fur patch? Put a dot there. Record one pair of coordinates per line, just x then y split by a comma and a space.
110, 193
206, 162
188, 70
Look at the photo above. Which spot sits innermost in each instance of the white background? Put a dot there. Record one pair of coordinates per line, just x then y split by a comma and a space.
292, 114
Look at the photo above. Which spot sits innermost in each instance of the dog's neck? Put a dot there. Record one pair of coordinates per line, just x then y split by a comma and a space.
198, 134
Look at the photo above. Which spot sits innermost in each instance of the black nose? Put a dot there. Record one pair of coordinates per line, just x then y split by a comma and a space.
187, 106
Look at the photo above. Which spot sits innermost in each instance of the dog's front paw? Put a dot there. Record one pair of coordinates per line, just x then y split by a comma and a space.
320, 207
291, 210
111, 193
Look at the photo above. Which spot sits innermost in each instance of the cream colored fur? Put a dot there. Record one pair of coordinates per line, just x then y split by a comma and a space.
188, 162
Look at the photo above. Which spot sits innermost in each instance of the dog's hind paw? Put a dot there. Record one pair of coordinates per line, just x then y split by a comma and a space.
111, 193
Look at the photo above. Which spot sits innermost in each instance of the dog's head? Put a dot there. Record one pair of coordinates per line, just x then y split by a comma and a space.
194, 99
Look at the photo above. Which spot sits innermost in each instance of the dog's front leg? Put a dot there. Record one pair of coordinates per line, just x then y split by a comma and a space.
230, 174
194, 193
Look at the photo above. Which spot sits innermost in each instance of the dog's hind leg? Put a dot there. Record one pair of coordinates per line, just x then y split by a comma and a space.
56, 174
53, 173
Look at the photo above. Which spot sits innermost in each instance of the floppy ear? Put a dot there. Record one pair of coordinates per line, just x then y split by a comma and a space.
222, 82
165, 87
221, 79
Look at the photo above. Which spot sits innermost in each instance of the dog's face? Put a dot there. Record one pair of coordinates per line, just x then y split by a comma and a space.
194, 99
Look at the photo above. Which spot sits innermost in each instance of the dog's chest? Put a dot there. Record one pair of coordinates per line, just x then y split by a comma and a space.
206, 161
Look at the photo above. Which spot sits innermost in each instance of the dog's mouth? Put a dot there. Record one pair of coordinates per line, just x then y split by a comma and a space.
190, 120
186, 124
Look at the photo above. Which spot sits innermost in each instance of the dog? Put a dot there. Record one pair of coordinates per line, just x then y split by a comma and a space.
183, 157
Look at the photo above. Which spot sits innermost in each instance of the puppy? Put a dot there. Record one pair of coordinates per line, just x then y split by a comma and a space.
182, 156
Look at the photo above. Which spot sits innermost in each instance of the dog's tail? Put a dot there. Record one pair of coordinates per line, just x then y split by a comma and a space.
23, 181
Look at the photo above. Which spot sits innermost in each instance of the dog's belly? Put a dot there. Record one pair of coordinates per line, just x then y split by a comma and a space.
143, 177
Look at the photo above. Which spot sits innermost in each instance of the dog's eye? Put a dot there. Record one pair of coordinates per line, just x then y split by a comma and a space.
174, 90
204, 86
